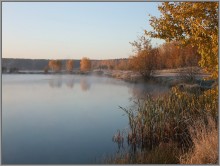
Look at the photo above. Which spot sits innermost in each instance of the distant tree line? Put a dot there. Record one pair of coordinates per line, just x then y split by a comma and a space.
56, 65
9, 70
147, 58
170, 55
111, 64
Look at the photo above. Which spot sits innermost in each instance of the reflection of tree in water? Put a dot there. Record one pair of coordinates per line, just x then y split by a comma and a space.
55, 82
85, 85
119, 139
142, 91
69, 83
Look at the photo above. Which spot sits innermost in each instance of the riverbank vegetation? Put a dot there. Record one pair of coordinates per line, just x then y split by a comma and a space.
180, 127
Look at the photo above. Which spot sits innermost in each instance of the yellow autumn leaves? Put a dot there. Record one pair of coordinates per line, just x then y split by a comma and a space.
194, 23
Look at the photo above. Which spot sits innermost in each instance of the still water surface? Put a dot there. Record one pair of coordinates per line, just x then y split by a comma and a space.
64, 119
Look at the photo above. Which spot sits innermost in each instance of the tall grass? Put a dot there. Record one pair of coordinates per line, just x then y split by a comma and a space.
205, 144
168, 120
165, 153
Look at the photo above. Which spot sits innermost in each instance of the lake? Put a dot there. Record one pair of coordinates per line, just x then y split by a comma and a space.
64, 119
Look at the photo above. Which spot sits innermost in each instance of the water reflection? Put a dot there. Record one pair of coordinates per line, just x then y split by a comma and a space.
56, 81
141, 91
119, 139
65, 131
70, 83
85, 84
137, 91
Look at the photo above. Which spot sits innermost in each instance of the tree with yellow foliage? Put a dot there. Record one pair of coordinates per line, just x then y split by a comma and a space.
55, 65
85, 64
69, 65
144, 61
194, 23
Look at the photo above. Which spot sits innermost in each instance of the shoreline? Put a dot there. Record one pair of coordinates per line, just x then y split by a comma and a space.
166, 77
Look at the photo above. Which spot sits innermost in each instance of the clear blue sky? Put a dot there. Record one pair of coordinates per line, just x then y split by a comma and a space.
63, 30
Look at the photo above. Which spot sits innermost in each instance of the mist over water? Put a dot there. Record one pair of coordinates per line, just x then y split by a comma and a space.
64, 119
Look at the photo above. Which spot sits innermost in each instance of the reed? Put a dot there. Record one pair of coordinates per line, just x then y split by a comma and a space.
168, 119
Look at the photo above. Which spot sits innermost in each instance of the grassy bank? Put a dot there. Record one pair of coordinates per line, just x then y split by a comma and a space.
180, 127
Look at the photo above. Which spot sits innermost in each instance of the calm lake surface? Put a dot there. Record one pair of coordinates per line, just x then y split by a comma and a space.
64, 119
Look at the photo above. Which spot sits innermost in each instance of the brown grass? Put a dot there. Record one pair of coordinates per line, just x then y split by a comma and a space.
205, 149
165, 153
178, 128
